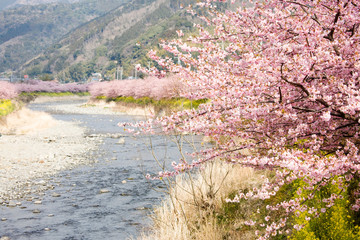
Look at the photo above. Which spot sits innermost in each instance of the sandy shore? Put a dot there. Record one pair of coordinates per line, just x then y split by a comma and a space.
34, 145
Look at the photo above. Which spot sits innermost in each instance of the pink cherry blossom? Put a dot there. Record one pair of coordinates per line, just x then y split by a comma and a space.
283, 78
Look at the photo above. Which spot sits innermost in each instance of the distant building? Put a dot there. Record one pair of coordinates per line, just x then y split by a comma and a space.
96, 77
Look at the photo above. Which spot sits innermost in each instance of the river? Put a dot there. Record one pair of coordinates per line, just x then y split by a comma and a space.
109, 199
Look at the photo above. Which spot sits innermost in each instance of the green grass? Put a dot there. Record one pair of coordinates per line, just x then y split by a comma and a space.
172, 104
6, 107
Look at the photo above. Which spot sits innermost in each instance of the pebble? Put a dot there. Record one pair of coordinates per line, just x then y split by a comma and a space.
12, 204
3, 219
104, 191
47, 229
123, 181
121, 141
42, 182
50, 215
37, 202
36, 211
18, 203
5, 238
114, 158
55, 195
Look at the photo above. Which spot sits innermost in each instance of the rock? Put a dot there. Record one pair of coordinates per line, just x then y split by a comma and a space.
1, 201
41, 182
123, 181
3, 219
12, 204
104, 191
121, 141
18, 204
50, 215
114, 158
37, 202
116, 135
47, 229
56, 194
36, 211
5, 238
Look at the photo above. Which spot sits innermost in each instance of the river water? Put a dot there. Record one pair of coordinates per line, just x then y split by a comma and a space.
75, 208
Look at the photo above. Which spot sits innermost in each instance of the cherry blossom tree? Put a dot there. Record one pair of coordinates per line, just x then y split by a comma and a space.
7, 90
50, 86
153, 87
283, 79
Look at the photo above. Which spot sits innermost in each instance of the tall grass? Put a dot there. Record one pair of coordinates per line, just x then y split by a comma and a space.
195, 207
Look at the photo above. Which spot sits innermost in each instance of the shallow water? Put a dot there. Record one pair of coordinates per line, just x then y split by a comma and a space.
75, 208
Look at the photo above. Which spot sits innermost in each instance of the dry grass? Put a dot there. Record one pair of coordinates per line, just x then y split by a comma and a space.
25, 121
195, 203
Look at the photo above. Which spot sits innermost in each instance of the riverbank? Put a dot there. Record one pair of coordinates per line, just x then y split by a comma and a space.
129, 109
33, 146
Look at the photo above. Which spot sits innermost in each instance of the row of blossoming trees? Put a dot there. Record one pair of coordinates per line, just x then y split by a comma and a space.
152, 87
283, 77
11, 90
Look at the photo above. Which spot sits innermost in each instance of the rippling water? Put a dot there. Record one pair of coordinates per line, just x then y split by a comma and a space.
75, 208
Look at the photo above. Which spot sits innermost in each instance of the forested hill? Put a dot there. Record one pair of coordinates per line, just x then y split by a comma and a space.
6, 3
69, 42
16, 3
121, 37
27, 30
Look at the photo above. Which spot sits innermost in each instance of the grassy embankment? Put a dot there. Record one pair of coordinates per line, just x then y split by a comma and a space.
159, 105
196, 208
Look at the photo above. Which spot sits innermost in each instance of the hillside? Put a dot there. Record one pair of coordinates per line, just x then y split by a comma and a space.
6, 3
121, 37
28, 30
16, 3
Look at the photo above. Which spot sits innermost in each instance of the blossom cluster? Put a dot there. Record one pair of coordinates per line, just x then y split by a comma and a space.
50, 86
152, 87
283, 78
7, 90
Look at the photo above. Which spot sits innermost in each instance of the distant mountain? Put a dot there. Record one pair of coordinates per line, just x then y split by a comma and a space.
26, 31
6, 3
13, 3
121, 37
71, 41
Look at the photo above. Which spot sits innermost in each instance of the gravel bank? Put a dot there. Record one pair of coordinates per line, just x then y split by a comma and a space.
33, 146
